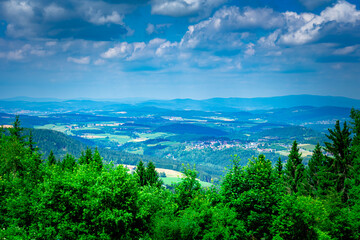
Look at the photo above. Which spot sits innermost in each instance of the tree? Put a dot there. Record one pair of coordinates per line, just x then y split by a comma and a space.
140, 172
152, 176
51, 159
188, 188
68, 163
279, 168
340, 163
253, 192
31, 142
97, 160
314, 170
294, 170
16, 130
86, 157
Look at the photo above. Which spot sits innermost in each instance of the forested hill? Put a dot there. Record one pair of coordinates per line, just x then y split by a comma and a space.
61, 144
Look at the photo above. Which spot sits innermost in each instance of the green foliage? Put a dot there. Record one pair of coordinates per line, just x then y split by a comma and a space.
340, 163
15, 131
152, 176
93, 200
301, 217
148, 175
294, 170
314, 172
188, 188
68, 163
51, 159
279, 168
253, 192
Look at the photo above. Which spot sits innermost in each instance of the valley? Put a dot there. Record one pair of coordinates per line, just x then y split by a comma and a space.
172, 137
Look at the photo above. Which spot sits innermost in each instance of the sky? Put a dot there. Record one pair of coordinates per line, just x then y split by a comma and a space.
166, 49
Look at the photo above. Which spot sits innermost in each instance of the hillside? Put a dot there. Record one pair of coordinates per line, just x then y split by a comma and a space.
61, 144
191, 129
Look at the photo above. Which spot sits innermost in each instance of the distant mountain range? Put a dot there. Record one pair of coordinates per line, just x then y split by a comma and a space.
248, 104
213, 104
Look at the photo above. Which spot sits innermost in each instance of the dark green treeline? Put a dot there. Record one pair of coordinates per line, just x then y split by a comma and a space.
87, 199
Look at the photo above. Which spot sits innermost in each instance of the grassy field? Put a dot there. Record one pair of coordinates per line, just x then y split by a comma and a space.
174, 180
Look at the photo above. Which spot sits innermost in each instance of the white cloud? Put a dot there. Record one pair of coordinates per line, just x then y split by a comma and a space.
346, 50
54, 12
100, 19
99, 61
15, 55
225, 28
178, 8
250, 49
121, 50
156, 47
305, 27
150, 28
270, 40
83, 60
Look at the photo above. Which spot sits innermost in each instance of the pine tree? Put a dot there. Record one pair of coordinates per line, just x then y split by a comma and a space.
340, 163
279, 168
97, 159
16, 130
51, 160
86, 157
140, 171
294, 170
31, 142
152, 177
68, 162
314, 170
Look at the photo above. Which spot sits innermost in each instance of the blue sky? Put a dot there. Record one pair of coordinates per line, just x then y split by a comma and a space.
168, 49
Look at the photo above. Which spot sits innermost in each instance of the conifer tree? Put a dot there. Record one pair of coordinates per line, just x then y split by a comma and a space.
140, 171
86, 157
31, 142
294, 170
340, 163
68, 162
16, 130
152, 177
279, 168
51, 159
97, 159
314, 170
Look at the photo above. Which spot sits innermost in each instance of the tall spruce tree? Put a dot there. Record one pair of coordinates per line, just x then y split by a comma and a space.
97, 159
140, 172
152, 176
294, 170
340, 162
279, 168
51, 160
314, 170
16, 130
86, 157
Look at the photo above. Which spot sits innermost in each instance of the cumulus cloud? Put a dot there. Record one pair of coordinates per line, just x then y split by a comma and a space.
179, 8
82, 60
229, 26
63, 19
306, 27
156, 47
97, 17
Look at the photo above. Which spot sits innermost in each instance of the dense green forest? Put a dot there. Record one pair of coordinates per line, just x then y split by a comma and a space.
84, 198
